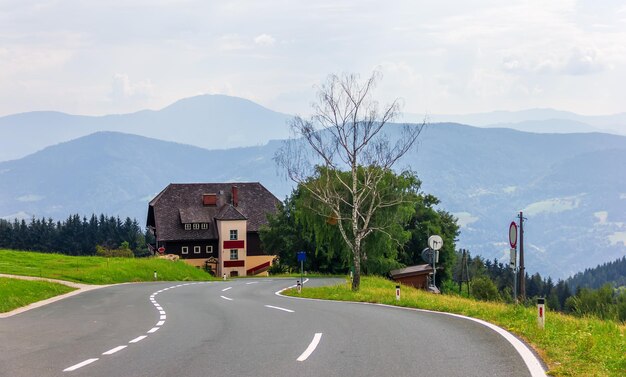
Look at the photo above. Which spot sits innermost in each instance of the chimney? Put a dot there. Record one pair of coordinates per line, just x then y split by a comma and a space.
235, 196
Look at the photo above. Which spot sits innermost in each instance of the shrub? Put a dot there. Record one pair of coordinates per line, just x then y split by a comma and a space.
114, 253
484, 289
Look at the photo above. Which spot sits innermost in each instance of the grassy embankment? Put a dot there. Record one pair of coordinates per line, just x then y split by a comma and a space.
570, 346
96, 270
88, 270
16, 293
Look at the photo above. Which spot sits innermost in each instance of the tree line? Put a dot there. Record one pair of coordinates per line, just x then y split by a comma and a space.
74, 236
493, 280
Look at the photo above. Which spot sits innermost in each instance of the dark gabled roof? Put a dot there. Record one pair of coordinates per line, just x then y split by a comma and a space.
179, 203
420, 269
193, 215
229, 212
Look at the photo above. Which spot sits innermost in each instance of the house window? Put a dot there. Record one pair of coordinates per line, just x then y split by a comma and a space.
233, 234
196, 226
233, 254
205, 226
209, 249
196, 249
234, 274
187, 226
185, 250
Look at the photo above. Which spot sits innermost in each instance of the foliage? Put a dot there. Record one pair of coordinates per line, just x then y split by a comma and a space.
605, 303
570, 346
96, 270
74, 236
425, 222
613, 273
122, 252
484, 289
16, 293
301, 224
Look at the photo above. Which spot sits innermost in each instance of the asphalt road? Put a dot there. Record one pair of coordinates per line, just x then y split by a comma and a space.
242, 328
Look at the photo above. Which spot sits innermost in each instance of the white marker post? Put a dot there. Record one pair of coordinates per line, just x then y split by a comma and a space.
541, 312
155, 275
397, 293
224, 276
299, 286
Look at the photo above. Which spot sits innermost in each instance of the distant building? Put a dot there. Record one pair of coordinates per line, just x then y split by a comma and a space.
416, 276
214, 224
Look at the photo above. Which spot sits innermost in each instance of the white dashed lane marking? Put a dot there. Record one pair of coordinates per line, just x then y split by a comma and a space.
279, 308
138, 339
80, 365
226, 298
309, 350
114, 350
161, 322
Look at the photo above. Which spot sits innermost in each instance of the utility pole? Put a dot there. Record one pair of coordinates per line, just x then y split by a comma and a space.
522, 272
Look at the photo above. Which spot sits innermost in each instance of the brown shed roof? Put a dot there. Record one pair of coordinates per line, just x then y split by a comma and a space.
420, 269
181, 203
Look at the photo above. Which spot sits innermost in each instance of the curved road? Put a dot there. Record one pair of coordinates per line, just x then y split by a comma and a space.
242, 328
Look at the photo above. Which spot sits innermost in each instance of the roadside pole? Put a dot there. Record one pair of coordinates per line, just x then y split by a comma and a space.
301, 258
513, 260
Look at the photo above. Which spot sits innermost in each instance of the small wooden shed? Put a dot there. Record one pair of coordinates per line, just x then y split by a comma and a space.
416, 276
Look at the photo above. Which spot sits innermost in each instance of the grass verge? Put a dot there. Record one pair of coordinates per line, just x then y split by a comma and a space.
97, 270
570, 346
16, 293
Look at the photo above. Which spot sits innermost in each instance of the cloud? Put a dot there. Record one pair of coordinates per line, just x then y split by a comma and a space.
123, 89
465, 219
575, 62
555, 205
264, 40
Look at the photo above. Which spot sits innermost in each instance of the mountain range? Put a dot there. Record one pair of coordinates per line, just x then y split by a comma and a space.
207, 121
571, 187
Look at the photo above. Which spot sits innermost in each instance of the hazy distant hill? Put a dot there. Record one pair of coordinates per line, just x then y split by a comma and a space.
535, 120
572, 187
208, 121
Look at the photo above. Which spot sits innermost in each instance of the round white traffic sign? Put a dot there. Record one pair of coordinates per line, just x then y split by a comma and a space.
435, 242
513, 234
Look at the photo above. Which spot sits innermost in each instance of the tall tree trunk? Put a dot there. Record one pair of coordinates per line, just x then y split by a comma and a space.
356, 278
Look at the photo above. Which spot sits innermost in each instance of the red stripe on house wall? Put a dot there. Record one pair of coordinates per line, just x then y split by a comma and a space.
234, 244
234, 263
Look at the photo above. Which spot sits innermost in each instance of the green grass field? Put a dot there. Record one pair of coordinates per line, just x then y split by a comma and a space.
16, 293
570, 346
96, 270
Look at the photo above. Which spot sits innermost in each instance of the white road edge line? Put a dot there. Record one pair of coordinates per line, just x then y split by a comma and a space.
252, 282
225, 289
532, 362
114, 350
226, 298
279, 308
80, 365
139, 338
307, 352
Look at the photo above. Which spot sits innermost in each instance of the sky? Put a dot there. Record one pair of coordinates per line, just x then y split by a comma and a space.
438, 57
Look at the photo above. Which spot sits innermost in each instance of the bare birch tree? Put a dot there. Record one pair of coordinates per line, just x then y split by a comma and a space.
350, 132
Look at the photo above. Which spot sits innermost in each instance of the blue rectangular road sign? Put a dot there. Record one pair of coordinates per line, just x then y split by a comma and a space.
301, 256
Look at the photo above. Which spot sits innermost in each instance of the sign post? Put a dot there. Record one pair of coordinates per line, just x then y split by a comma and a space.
541, 312
435, 243
513, 262
301, 259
